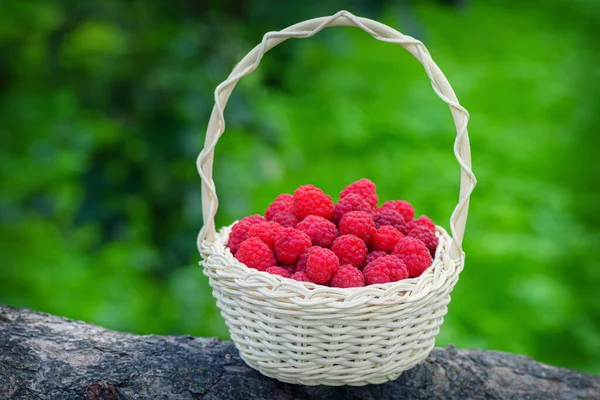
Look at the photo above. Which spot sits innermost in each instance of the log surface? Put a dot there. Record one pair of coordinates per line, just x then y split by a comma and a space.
47, 357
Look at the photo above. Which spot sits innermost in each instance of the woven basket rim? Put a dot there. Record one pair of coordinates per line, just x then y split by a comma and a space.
409, 290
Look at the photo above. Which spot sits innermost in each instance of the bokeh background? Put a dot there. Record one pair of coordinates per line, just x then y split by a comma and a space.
103, 107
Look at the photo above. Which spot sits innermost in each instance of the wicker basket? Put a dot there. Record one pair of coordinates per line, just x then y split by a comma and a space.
315, 335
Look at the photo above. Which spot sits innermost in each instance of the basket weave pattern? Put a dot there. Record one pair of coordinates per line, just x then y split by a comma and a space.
310, 334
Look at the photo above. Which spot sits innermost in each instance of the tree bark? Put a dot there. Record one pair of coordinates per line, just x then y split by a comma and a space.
47, 357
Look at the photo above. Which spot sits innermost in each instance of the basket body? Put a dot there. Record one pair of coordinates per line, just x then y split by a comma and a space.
309, 334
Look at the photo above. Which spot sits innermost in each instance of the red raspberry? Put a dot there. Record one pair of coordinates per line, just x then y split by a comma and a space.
389, 216
403, 207
372, 256
283, 202
322, 232
290, 244
255, 254
265, 231
310, 200
301, 277
279, 271
423, 220
364, 188
385, 269
350, 250
425, 235
347, 276
351, 202
385, 238
239, 231
321, 265
415, 255
358, 223
301, 264
285, 219
291, 268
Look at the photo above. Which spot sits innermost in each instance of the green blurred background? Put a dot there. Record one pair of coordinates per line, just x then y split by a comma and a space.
103, 107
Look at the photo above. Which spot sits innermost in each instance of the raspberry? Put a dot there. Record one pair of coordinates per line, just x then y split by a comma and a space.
291, 268
285, 219
358, 223
283, 202
347, 276
255, 254
279, 271
322, 232
310, 200
265, 231
415, 255
301, 264
351, 202
403, 207
372, 256
301, 277
239, 231
423, 220
364, 188
425, 235
321, 265
389, 216
385, 269
350, 250
385, 238
290, 244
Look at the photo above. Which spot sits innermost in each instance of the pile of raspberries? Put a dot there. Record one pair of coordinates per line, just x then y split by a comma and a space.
352, 243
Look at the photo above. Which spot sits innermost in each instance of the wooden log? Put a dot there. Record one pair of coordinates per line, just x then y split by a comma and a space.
47, 357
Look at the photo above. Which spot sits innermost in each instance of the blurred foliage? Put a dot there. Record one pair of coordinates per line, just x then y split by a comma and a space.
103, 107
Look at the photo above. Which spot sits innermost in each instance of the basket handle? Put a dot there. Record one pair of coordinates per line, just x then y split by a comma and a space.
250, 62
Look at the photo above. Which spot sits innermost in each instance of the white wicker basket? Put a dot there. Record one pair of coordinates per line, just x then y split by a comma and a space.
315, 335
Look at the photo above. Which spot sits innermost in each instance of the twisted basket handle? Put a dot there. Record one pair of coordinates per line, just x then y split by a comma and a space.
250, 62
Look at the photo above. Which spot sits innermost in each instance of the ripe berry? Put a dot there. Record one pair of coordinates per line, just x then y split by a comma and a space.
310, 200
364, 188
283, 202
285, 219
350, 250
255, 254
322, 232
301, 264
301, 277
351, 202
425, 235
347, 276
423, 221
291, 268
403, 207
279, 271
265, 231
358, 223
391, 217
385, 269
239, 231
290, 244
415, 255
321, 265
372, 256
385, 238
